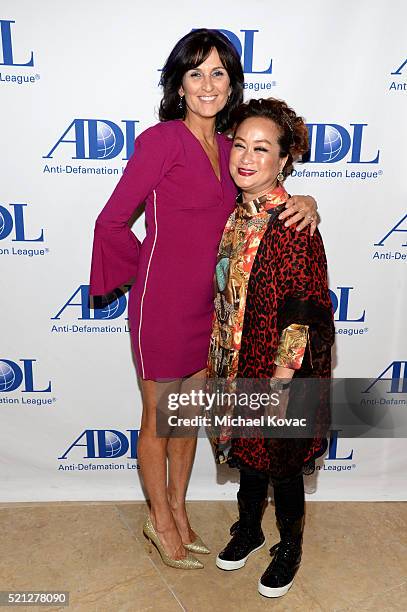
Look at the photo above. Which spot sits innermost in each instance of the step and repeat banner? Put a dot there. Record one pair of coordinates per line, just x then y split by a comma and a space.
78, 82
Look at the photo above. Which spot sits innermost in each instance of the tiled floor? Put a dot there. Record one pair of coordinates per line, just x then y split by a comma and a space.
355, 558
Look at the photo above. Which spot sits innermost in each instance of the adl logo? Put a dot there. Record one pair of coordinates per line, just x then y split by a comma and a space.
397, 377
14, 220
330, 143
12, 376
110, 307
106, 444
400, 68
332, 447
246, 50
394, 229
98, 139
7, 46
340, 304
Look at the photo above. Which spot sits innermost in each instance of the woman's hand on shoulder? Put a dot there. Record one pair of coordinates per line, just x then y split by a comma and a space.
302, 210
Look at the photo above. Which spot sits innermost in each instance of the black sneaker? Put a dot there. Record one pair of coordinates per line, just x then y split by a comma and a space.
244, 542
279, 576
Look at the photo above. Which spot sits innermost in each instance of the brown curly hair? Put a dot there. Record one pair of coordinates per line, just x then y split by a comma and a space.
293, 139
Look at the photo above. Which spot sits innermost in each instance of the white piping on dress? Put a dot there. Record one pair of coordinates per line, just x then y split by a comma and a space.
145, 282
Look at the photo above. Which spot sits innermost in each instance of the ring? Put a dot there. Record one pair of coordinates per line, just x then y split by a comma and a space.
311, 217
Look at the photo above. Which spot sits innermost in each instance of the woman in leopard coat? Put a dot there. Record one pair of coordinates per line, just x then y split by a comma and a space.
273, 323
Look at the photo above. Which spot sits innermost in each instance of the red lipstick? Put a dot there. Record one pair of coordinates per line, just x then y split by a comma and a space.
245, 172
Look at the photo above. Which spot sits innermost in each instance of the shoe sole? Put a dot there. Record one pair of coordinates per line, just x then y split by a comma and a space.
234, 565
276, 592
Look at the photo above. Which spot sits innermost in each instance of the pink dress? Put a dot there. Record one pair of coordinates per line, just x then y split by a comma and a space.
171, 300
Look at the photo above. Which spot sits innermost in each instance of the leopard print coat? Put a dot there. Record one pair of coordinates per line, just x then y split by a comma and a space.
288, 284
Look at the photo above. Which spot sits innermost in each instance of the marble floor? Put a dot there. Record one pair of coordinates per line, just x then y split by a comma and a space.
355, 559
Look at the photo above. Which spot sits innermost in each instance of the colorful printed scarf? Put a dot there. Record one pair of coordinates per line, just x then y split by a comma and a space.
241, 238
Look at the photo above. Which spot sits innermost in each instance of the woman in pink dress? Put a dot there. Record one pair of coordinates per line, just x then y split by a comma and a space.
180, 170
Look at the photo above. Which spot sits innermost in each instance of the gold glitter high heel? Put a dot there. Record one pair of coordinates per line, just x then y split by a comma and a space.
198, 547
188, 563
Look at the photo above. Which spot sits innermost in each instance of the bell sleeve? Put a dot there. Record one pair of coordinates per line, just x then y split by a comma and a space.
115, 248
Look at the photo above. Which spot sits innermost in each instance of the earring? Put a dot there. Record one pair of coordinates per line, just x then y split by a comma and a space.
180, 103
280, 177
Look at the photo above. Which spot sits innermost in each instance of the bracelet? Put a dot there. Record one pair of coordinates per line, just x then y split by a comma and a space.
279, 384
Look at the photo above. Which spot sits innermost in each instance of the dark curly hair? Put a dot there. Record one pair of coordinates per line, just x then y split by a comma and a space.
190, 52
293, 139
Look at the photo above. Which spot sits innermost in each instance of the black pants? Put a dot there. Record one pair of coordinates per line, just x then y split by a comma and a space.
289, 496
